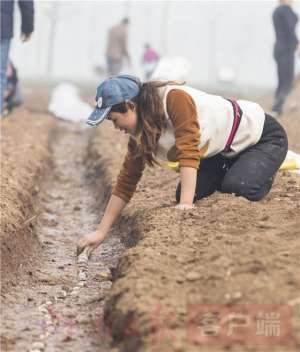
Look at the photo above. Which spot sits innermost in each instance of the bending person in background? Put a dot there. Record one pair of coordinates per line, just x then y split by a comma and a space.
238, 151
27, 18
149, 60
117, 49
285, 22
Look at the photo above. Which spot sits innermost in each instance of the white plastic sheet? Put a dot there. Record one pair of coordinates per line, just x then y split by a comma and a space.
172, 68
66, 103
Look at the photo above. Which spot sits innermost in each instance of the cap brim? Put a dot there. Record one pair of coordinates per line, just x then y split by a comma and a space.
98, 116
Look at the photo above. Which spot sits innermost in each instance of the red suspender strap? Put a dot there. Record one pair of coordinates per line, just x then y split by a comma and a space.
237, 115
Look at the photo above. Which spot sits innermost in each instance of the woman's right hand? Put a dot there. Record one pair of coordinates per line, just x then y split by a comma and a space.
90, 241
93, 239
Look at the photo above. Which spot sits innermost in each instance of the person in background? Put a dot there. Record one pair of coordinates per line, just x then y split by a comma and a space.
149, 60
116, 48
12, 95
219, 144
285, 21
27, 20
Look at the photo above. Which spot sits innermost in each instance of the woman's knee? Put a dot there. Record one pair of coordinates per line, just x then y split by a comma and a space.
257, 196
249, 190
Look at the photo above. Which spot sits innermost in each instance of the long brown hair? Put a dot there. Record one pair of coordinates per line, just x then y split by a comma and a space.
151, 119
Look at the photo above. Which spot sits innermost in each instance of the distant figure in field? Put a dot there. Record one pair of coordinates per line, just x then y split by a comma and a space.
27, 17
117, 47
149, 60
12, 95
285, 21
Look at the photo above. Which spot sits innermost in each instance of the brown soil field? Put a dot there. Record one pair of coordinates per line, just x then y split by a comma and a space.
228, 252
226, 255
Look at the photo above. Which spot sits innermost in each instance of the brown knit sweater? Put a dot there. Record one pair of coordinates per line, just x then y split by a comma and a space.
182, 112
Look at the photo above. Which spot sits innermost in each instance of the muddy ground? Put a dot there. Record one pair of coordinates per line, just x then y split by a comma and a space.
228, 252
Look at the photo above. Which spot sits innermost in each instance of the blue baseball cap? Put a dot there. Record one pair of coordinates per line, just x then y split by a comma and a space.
114, 90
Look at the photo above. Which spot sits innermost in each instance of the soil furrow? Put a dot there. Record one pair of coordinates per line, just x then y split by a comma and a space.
55, 313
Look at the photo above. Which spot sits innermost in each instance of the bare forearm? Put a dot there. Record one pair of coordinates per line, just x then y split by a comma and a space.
188, 178
113, 209
95, 238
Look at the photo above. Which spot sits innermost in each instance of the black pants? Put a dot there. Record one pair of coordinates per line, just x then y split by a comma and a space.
285, 61
251, 173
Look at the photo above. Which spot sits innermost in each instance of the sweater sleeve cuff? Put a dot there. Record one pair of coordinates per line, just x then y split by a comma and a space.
189, 163
123, 196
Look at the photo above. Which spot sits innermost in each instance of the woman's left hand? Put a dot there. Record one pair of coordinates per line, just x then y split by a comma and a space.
184, 206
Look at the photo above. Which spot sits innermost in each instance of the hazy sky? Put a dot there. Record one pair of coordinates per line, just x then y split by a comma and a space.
210, 34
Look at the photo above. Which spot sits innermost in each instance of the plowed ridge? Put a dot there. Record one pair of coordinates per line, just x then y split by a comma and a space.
55, 313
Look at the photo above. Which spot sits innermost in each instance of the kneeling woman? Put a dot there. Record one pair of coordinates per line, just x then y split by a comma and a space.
219, 144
